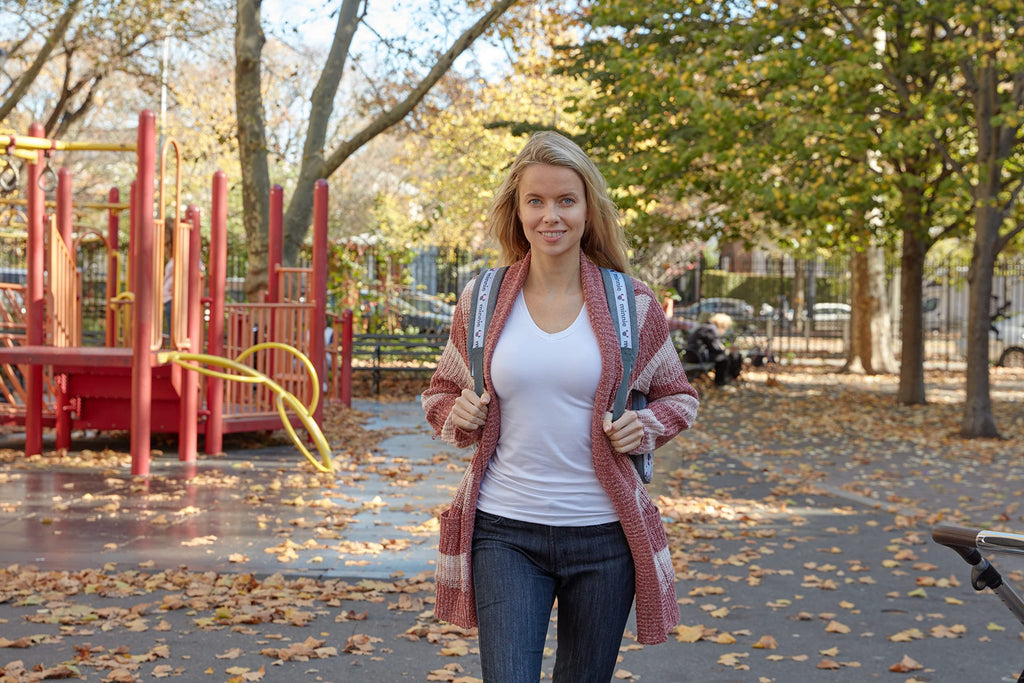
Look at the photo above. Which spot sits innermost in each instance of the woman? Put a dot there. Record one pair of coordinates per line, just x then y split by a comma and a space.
550, 507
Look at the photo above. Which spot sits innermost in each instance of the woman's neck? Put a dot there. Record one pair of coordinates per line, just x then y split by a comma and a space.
553, 277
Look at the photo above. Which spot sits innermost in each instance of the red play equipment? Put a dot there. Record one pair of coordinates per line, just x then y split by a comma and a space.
126, 384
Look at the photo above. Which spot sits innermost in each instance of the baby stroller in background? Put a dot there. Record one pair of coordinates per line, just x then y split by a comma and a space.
759, 348
969, 544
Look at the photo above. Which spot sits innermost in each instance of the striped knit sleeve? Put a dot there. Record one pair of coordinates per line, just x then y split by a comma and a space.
450, 378
671, 400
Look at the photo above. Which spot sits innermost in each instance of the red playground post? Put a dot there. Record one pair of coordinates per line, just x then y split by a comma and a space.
142, 286
34, 302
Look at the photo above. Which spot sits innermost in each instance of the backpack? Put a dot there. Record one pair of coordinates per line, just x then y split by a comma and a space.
622, 306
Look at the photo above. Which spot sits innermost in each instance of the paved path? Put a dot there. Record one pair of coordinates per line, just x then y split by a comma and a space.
791, 568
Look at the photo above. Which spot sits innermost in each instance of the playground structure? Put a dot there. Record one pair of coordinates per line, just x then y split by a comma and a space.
143, 380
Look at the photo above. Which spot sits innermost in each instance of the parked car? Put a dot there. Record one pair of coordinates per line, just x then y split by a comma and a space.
767, 311
404, 310
1005, 342
735, 308
833, 314
427, 313
831, 311
17, 276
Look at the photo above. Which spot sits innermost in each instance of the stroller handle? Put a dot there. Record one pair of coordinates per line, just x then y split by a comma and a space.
961, 539
969, 543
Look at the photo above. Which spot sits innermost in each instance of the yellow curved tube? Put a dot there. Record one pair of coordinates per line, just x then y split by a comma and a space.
284, 398
295, 352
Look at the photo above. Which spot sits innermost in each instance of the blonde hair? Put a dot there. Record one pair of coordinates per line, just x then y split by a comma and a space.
604, 241
722, 321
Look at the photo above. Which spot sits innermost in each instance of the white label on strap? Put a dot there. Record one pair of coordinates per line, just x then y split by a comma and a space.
480, 320
622, 309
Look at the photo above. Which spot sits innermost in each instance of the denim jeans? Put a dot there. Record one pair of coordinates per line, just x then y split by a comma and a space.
520, 568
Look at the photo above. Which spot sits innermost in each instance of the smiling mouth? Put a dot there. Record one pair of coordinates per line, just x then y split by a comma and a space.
553, 234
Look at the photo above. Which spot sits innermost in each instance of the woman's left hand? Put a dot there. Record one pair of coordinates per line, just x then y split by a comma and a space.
626, 433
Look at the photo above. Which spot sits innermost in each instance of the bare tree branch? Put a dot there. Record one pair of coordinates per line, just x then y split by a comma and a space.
25, 81
314, 165
399, 111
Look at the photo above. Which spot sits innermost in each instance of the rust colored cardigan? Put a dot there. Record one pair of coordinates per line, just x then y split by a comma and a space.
671, 408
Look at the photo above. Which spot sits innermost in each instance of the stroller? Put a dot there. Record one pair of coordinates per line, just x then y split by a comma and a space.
969, 543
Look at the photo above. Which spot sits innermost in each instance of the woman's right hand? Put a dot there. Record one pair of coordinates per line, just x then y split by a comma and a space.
470, 411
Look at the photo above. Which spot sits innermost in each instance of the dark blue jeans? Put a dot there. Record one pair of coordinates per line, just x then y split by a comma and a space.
519, 569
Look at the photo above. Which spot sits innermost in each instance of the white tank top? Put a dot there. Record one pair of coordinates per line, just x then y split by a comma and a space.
543, 470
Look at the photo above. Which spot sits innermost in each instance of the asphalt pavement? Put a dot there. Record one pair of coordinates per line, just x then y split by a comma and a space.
250, 567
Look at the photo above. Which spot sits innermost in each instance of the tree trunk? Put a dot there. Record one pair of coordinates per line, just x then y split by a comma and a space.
300, 208
870, 350
252, 143
911, 389
978, 420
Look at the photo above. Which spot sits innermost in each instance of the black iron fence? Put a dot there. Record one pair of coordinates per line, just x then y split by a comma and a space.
444, 271
802, 305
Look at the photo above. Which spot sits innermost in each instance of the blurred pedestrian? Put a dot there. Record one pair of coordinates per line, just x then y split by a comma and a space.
167, 289
705, 344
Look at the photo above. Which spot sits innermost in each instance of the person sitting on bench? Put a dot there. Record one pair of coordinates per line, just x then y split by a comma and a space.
704, 345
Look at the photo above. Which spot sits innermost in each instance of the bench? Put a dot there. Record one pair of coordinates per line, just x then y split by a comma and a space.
695, 370
380, 353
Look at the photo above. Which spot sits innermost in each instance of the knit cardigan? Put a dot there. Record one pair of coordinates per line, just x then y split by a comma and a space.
671, 408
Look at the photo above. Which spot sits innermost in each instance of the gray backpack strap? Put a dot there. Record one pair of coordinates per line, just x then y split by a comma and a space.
618, 290
485, 295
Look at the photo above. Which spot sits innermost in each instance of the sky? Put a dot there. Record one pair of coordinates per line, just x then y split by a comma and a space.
314, 18
391, 18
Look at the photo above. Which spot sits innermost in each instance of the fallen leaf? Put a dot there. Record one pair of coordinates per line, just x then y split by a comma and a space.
689, 634
836, 627
905, 665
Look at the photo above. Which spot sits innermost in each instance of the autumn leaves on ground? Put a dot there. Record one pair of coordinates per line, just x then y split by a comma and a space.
798, 510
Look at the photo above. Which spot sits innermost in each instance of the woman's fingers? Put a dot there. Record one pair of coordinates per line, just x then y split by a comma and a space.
624, 434
470, 411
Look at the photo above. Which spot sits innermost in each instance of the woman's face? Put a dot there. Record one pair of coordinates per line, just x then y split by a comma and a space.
552, 209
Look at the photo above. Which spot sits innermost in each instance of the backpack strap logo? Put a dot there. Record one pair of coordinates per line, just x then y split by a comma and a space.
622, 306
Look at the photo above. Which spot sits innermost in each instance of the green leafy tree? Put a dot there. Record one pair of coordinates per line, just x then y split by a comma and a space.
703, 108
837, 126
990, 56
